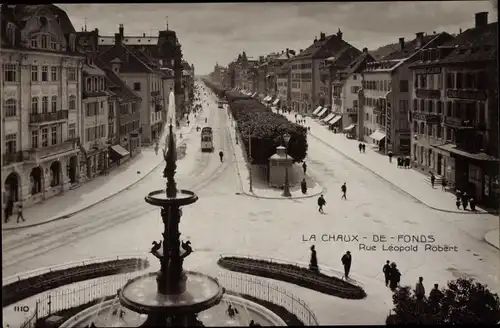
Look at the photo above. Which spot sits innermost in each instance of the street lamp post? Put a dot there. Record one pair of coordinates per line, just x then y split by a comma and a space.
286, 189
250, 159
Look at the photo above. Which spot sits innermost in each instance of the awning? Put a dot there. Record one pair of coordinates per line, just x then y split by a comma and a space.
255, 93
323, 111
328, 117
119, 150
377, 135
479, 156
350, 127
335, 120
276, 101
316, 111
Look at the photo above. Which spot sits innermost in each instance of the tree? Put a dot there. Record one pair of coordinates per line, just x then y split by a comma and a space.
464, 301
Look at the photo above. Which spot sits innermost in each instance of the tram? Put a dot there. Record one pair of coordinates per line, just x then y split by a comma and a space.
207, 139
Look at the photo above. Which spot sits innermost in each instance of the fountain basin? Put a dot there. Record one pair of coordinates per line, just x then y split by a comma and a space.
140, 295
159, 198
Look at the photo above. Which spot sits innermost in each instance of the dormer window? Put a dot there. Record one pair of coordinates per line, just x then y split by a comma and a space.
101, 84
34, 42
45, 42
11, 33
53, 43
94, 84
89, 84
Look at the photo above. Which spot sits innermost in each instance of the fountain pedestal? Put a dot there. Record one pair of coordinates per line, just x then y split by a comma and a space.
171, 296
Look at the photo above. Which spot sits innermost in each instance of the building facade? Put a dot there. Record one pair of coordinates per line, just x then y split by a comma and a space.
41, 96
455, 111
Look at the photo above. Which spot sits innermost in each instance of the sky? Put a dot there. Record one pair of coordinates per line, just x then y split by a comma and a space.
217, 32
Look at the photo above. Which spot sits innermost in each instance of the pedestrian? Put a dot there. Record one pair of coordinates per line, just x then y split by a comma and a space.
364, 148
8, 210
472, 203
390, 154
313, 263
420, 289
443, 184
188, 122
407, 163
435, 295
386, 269
346, 262
360, 147
457, 202
344, 191
321, 203
433, 179
20, 213
303, 186
400, 162
304, 167
465, 200
394, 277
221, 156
206, 120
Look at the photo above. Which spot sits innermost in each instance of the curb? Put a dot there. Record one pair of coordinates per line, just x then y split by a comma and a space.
496, 234
68, 215
394, 185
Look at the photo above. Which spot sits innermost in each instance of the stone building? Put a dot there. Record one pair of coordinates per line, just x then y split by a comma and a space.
41, 97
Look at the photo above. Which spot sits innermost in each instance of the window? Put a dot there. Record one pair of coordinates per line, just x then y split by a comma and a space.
415, 105
450, 81
34, 42
423, 81
53, 73
422, 105
45, 104
72, 102
431, 81
11, 143
45, 137
134, 107
481, 113
459, 81
111, 108
422, 128
72, 131
429, 130
430, 107
54, 103
439, 131
10, 107
45, 73
89, 84
45, 42
94, 84
415, 127
439, 81
415, 81
449, 134
34, 73
53, 43
101, 84
71, 74
53, 135
403, 86
34, 139
9, 74
34, 105
470, 80
137, 86
449, 111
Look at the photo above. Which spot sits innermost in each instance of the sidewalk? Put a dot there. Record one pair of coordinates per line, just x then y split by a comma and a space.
409, 181
260, 188
493, 238
94, 191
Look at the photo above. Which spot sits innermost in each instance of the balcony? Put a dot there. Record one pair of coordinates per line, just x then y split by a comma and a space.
463, 124
11, 158
36, 155
60, 115
429, 94
466, 94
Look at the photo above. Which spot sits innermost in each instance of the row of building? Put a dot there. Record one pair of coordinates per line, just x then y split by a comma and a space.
435, 98
77, 104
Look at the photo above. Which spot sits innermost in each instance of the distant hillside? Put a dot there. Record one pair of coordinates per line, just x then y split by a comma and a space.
384, 50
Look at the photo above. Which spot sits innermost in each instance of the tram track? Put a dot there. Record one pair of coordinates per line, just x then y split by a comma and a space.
105, 215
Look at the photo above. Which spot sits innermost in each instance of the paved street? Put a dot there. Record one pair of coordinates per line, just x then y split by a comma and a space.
223, 222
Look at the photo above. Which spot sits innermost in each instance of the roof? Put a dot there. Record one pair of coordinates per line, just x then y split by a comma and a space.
116, 85
474, 44
186, 66
356, 65
323, 48
410, 48
131, 62
22, 13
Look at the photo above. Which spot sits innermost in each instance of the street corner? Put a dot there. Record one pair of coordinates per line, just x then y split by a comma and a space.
493, 238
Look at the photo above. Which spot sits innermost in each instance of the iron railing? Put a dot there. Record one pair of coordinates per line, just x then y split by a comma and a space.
9, 158
48, 117
266, 291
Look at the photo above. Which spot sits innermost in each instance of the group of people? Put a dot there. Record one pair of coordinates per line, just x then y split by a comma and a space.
346, 262
322, 201
9, 211
465, 200
392, 275
362, 147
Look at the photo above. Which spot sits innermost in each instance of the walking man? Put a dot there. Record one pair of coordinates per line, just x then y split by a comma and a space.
20, 213
420, 289
346, 262
321, 203
344, 191
433, 179
387, 272
304, 167
221, 156
443, 184
390, 156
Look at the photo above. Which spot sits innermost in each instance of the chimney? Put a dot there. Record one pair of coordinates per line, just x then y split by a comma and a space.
401, 44
460, 31
301, 50
120, 29
433, 32
481, 19
420, 39
365, 50
339, 34
118, 39
143, 35
315, 39
322, 36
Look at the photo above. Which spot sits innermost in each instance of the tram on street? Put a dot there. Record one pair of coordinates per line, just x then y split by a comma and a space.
207, 139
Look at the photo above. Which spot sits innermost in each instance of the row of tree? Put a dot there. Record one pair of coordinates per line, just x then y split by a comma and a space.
257, 124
